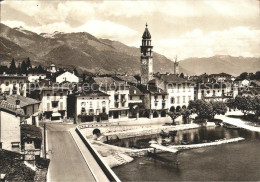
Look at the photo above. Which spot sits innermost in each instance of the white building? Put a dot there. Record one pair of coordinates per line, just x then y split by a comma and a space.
118, 92
180, 91
35, 76
53, 99
13, 84
10, 120
219, 91
67, 77
88, 106
28, 105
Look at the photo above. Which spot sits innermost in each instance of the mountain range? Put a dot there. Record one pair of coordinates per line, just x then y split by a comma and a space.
88, 53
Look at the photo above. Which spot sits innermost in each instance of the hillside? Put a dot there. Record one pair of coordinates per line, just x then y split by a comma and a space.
86, 52
81, 49
221, 63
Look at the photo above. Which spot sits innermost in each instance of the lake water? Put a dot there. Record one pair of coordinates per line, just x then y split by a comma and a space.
192, 136
237, 161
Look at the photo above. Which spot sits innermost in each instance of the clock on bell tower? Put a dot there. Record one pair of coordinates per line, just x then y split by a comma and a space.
146, 57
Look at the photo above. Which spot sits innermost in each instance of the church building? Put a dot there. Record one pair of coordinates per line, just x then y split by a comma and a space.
146, 57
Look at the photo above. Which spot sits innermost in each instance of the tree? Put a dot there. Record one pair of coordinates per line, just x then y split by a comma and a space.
40, 69
186, 114
231, 103
28, 63
173, 116
182, 75
257, 75
24, 68
12, 68
218, 108
243, 103
203, 109
244, 75
75, 72
19, 70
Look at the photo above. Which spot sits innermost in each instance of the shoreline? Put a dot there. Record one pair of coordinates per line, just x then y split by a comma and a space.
116, 156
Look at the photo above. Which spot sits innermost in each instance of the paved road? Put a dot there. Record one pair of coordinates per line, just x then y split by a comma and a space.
67, 163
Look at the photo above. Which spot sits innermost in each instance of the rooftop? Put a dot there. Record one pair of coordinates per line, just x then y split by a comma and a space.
24, 101
8, 107
134, 91
171, 78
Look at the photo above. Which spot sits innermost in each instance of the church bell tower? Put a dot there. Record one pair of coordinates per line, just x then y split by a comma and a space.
146, 57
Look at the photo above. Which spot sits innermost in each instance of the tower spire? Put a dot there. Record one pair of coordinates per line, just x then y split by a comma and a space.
146, 25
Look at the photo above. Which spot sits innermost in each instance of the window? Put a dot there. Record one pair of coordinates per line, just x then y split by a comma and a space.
61, 95
116, 97
189, 98
140, 97
172, 100
155, 104
131, 97
48, 96
61, 105
15, 145
184, 87
90, 104
155, 97
208, 91
83, 110
0, 145
184, 99
163, 97
178, 99
6, 83
103, 110
48, 107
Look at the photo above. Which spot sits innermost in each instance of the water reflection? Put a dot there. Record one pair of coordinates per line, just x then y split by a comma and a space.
193, 136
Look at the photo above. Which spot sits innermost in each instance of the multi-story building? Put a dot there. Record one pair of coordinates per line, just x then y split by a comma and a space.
35, 75
118, 92
219, 91
155, 101
52, 68
53, 99
180, 91
11, 117
13, 84
28, 105
135, 101
87, 106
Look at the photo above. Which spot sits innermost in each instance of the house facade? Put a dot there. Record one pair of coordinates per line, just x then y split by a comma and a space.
67, 77
13, 84
88, 106
118, 92
11, 117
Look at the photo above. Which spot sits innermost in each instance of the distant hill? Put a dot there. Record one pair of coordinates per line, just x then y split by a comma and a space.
221, 63
86, 52
81, 50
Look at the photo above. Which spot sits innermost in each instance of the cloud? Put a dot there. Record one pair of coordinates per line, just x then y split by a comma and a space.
237, 41
184, 27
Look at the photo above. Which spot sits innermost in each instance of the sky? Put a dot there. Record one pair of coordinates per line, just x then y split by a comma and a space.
186, 28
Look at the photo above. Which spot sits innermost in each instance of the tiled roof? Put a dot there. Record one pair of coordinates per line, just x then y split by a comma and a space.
91, 93
130, 79
6, 106
151, 89
171, 78
134, 91
24, 101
